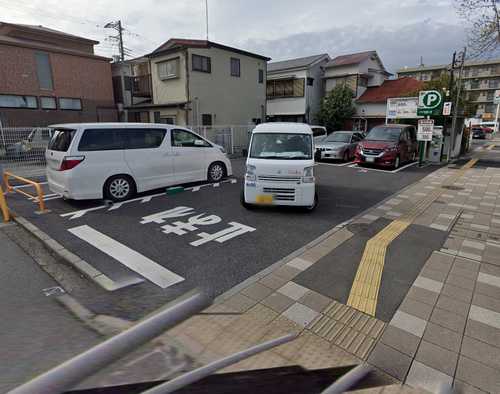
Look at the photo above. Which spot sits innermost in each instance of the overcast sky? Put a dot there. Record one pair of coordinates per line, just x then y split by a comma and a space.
400, 30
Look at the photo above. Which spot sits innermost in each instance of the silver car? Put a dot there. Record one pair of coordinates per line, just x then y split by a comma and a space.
338, 145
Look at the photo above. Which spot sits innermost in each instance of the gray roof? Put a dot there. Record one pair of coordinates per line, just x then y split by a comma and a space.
299, 62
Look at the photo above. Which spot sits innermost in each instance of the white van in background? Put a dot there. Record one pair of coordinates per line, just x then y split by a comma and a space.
117, 160
280, 166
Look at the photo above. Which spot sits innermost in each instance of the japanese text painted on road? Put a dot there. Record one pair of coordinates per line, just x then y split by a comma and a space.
193, 222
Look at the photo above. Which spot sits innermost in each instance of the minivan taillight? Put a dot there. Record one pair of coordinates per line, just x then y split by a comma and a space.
70, 162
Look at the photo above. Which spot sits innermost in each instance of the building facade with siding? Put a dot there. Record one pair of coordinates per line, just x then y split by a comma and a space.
47, 77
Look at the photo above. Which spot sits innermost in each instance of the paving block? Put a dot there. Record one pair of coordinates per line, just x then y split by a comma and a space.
400, 340
430, 379
437, 357
277, 302
466, 264
300, 264
409, 323
456, 292
478, 375
287, 272
460, 281
464, 388
273, 281
300, 314
423, 295
428, 284
257, 291
293, 290
365, 347
486, 302
453, 305
416, 308
315, 301
443, 337
433, 274
466, 273
450, 320
487, 289
482, 352
390, 361
239, 303
486, 316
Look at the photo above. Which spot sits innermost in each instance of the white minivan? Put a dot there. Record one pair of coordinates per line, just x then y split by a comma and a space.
117, 160
280, 166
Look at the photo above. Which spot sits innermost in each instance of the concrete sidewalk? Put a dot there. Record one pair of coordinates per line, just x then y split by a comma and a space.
445, 330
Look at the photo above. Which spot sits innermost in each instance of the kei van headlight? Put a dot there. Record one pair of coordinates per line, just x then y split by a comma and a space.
308, 176
250, 173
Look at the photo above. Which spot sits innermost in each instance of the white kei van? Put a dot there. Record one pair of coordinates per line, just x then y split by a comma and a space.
116, 160
280, 166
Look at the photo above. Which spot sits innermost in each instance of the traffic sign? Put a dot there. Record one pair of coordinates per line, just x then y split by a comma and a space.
425, 129
447, 108
496, 97
429, 102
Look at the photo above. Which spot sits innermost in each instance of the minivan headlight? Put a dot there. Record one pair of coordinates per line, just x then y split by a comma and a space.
250, 173
308, 176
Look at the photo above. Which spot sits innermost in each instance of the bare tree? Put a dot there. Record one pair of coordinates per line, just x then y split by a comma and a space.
483, 20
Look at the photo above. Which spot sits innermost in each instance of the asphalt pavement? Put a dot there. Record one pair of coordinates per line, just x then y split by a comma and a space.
203, 237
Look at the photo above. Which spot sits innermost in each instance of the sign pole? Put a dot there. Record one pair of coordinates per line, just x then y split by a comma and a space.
424, 134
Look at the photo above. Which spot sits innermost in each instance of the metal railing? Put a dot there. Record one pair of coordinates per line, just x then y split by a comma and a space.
38, 188
3, 206
234, 139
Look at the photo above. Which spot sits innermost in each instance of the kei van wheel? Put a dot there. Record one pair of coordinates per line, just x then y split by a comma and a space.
119, 188
216, 172
312, 207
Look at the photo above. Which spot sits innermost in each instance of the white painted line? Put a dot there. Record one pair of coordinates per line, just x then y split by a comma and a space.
196, 189
147, 268
349, 163
23, 186
80, 213
385, 171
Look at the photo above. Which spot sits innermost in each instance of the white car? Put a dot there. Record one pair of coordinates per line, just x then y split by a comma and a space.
117, 160
280, 166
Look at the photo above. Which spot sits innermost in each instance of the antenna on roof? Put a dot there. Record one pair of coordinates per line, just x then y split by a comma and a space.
206, 15
421, 61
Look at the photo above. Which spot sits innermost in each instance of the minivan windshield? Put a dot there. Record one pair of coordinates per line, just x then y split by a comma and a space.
281, 146
61, 139
381, 133
338, 137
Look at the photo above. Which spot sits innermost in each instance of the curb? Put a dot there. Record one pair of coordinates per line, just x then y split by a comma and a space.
61, 253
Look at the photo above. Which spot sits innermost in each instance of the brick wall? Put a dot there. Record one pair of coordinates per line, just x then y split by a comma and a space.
73, 76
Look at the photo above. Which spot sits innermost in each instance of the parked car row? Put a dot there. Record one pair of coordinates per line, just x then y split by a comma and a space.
385, 145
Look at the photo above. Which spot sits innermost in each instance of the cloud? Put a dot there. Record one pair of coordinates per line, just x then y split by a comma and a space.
397, 47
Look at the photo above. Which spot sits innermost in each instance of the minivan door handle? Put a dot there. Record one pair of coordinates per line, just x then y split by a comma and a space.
171, 154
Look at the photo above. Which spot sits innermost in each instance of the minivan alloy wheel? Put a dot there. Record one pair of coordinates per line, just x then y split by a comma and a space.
216, 172
119, 188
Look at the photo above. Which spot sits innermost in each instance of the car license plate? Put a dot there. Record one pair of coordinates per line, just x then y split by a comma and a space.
370, 160
264, 199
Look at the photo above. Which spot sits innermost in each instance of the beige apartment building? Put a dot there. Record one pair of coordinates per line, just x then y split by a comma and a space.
481, 79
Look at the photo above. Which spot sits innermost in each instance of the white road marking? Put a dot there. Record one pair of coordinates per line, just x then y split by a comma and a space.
385, 171
335, 164
196, 189
147, 268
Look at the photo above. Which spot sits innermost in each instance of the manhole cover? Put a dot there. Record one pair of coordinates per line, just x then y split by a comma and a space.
451, 187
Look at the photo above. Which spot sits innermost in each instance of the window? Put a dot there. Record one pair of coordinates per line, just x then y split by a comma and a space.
490, 95
43, 71
61, 140
201, 63
235, 67
494, 83
168, 119
206, 119
168, 69
285, 88
261, 76
143, 138
70, 103
490, 108
101, 139
281, 146
183, 138
11, 101
310, 81
48, 103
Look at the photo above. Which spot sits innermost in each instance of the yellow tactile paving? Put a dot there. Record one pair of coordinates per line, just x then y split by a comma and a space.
366, 285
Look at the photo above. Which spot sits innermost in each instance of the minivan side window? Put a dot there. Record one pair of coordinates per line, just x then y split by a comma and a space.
61, 140
101, 139
144, 138
183, 138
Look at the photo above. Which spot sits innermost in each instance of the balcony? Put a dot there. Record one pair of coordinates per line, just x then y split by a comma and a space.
141, 86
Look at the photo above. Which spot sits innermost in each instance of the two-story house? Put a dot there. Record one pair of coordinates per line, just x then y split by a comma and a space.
47, 76
295, 88
358, 71
203, 83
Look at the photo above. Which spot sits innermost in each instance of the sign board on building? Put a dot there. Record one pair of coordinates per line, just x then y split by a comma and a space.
447, 108
496, 97
429, 102
402, 108
425, 129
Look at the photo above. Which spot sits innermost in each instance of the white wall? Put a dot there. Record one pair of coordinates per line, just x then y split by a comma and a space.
169, 90
288, 105
230, 100
315, 93
371, 109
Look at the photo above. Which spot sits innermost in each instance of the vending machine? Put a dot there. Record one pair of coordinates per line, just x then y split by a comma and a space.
436, 145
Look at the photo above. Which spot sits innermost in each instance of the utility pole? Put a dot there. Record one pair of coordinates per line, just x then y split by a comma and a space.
206, 16
118, 27
457, 98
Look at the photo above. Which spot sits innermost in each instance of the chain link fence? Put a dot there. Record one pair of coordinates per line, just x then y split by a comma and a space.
22, 149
